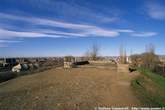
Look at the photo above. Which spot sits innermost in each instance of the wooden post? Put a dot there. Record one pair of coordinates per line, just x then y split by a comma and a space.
163, 67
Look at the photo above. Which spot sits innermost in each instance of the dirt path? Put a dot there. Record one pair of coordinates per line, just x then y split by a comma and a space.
72, 89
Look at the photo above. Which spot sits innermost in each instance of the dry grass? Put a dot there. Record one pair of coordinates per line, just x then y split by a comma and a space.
69, 89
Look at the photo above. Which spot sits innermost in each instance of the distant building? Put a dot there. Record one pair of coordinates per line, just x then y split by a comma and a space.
11, 61
8, 62
2, 60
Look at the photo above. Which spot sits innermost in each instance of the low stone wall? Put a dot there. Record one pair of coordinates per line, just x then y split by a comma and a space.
68, 64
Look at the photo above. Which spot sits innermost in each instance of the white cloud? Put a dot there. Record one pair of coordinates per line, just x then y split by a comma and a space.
48, 22
144, 34
54, 32
101, 32
77, 30
125, 30
156, 11
4, 43
5, 34
60, 24
68, 10
84, 29
9, 41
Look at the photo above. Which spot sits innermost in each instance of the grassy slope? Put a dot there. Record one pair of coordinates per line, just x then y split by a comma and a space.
150, 88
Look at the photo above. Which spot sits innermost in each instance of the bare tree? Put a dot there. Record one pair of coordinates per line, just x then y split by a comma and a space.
147, 59
87, 54
122, 55
150, 48
93, 52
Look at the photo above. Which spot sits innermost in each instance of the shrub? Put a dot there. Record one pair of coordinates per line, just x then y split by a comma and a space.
147, 60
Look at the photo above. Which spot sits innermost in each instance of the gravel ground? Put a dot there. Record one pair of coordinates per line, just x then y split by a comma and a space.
69, 89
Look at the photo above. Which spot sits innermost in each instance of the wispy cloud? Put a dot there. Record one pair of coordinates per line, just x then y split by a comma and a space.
96, 31
144, 34
125, 30
9, 41
69, 9
83, 29
53, 23
6, 34
74, 29
4, 43
156, 10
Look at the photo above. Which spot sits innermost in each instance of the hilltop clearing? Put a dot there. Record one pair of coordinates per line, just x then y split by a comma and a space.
69, 89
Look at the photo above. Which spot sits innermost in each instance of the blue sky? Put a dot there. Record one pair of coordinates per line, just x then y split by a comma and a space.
69, 27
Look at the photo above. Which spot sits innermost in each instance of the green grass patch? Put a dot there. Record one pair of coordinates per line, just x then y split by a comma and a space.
150, 88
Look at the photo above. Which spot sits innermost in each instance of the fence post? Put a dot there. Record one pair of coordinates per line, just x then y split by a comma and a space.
163, 67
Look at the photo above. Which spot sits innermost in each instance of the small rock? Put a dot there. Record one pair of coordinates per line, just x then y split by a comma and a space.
46, 97
51, 87
58, 104
36, 98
